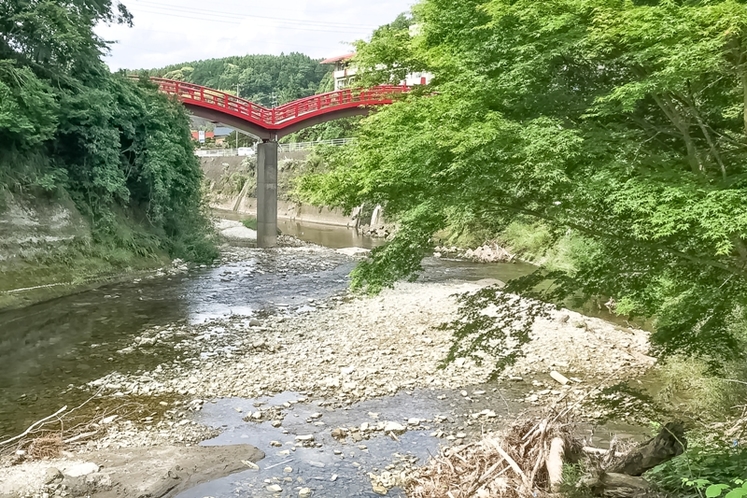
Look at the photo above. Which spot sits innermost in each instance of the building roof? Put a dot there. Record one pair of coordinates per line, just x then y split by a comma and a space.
222, 131
339, 58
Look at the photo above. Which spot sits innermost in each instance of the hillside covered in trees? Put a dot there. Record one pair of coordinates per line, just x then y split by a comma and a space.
264, 79
72, 131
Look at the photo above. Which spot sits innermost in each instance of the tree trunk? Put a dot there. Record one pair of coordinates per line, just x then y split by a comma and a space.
622, 478
669, 443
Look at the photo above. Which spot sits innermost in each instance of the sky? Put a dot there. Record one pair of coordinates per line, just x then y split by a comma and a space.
174, 31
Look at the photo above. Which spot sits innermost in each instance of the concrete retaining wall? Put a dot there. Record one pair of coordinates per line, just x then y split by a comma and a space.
222, 193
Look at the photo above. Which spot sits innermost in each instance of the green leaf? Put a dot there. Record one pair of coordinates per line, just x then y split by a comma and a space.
715, 490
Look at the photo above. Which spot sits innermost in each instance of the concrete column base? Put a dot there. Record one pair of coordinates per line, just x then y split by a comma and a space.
267, 194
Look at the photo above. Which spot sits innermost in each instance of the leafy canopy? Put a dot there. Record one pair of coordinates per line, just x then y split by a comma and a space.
624, 122
68, 127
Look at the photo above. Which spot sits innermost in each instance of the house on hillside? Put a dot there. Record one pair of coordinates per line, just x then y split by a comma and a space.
221, 134
218, 135
345, 73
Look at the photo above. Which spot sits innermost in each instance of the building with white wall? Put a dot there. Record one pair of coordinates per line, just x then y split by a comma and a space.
345, 73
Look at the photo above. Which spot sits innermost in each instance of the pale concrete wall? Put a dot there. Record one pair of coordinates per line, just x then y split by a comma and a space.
218, 169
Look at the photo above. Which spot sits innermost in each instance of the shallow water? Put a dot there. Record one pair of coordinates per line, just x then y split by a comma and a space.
49, 349
334, 468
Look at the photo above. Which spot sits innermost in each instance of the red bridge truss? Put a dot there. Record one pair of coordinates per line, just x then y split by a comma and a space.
274, 123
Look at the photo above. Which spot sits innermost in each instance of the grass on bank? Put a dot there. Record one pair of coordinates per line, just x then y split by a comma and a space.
251, 223
710, 401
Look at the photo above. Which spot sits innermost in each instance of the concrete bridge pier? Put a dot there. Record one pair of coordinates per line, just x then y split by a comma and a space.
267, 194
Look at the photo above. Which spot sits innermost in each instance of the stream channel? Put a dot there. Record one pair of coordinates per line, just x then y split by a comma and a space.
49, 349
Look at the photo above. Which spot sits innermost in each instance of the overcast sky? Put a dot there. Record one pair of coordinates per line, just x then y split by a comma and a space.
174, 31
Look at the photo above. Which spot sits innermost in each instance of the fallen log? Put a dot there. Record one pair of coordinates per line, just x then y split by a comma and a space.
669, 443
621, 479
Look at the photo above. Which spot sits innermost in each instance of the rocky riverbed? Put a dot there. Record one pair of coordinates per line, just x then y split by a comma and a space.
350, 383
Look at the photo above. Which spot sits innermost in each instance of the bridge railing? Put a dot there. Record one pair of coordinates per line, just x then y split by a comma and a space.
289, 147
215, 98
276, 117
318, 103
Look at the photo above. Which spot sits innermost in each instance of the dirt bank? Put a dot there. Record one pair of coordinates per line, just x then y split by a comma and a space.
157, 472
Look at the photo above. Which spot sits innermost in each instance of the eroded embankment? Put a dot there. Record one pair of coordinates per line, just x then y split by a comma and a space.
47, 251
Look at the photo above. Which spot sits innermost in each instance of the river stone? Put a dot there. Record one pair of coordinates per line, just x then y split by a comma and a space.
304, 492
81, 469
379, 489
274, 488
305, 438
51, 475
395, 427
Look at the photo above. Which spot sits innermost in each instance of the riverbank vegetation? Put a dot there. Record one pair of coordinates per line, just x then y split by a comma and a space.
587, 117
70, 130
606, 141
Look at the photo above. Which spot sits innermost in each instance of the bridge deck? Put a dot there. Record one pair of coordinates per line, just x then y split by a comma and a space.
292, 114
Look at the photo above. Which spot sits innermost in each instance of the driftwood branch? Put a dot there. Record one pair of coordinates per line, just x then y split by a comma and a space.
621, 479
33, 426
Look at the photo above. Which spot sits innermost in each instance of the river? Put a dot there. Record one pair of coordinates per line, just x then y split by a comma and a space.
49, 349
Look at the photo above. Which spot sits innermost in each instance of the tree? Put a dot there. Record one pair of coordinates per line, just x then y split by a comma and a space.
623, 122
117, 147
264, 79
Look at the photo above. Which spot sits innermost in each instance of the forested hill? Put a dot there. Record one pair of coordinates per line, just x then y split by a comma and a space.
287, 77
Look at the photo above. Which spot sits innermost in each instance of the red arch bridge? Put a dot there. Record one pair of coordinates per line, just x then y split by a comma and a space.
270, 124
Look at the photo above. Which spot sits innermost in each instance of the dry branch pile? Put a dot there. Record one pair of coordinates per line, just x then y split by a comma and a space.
63, 430
511, 464
527, 461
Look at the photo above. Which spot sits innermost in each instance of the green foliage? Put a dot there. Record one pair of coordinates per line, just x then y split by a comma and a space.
390, 54
621, 123
56, 37
572, 475
692, 389
120, 150
250, 223
530, 240
399, 259
27, 108
704, 469
264, 79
